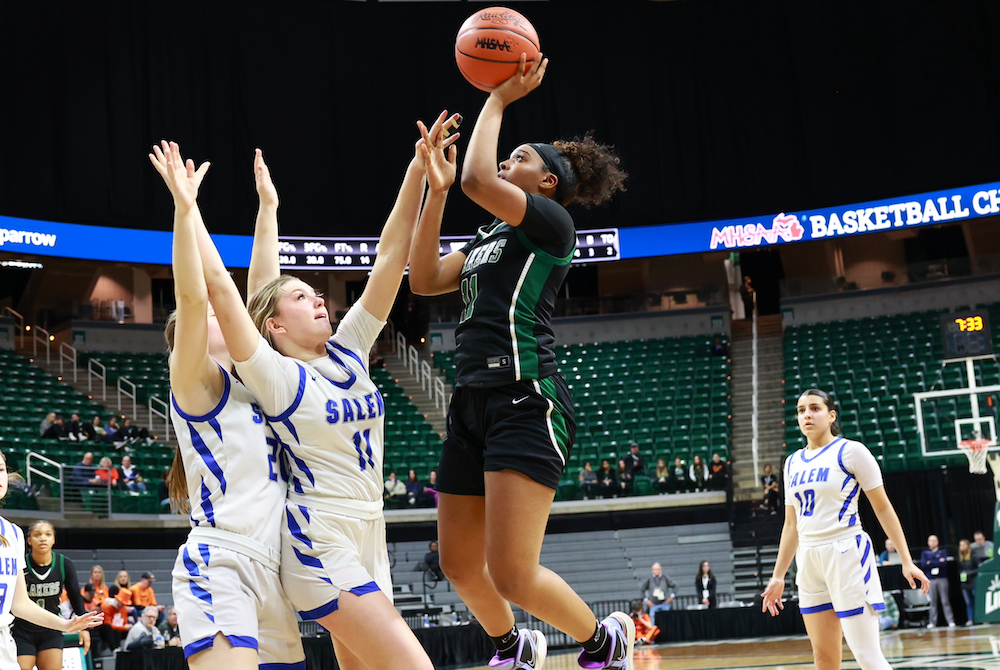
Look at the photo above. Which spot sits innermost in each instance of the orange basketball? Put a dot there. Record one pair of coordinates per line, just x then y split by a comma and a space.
490, 44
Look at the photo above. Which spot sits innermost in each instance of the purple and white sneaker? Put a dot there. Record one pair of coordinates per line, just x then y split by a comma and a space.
531, 650
621, 629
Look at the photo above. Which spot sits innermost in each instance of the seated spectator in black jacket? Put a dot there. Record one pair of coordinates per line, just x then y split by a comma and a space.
588, 481
718, 474
111, 430
633, 461
57, 431
76, 430
131, 433
129, 477
772, 496
662, 476
606, 485
432, 561
625, 479
678, 481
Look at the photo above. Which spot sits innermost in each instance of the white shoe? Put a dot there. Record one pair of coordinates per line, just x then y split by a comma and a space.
621, 628
531, 650
951, 625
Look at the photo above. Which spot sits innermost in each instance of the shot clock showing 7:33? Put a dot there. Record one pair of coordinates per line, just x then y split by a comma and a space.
966, 334
358, 253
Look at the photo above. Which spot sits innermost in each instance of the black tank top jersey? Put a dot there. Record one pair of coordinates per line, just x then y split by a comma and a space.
45, 587
509, 284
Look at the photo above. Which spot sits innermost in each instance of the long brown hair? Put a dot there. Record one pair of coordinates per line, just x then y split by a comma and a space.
177, 484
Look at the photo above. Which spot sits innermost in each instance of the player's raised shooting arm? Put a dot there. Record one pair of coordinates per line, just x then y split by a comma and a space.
264, 266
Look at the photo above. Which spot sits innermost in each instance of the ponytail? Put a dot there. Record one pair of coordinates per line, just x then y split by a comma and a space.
177, 486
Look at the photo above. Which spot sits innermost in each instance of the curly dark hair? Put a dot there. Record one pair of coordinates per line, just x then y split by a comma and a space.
595, 175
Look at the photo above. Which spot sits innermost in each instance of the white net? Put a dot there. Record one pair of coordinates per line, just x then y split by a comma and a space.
976, 451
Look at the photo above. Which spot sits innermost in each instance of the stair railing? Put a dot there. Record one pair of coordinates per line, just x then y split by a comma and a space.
755, 426
20, 325
440, 396
127, 388
46, 340
101, 375
155, 405
67, 353
41, 474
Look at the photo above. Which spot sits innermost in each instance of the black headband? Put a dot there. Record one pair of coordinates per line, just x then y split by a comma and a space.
556, 165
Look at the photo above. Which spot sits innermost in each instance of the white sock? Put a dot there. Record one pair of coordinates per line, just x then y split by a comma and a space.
861, 632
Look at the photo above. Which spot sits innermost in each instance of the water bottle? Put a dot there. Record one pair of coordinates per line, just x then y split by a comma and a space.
427, 621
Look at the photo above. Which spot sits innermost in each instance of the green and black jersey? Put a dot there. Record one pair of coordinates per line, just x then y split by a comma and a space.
509, 284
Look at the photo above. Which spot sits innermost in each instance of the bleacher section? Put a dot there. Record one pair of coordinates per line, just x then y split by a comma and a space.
872, 367
671, 396
148, 372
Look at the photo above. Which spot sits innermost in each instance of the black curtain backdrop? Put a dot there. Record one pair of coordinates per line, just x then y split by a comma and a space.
719, 108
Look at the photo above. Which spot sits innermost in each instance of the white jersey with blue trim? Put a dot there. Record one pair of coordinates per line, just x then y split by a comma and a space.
329, 416
234, 480
11, 564
823, 486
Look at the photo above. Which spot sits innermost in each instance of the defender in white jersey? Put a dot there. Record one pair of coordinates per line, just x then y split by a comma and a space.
231, 608
14, 599
839, 588
328, 416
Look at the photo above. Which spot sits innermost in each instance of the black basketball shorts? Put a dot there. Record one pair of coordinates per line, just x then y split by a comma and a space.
527, 426
30, 642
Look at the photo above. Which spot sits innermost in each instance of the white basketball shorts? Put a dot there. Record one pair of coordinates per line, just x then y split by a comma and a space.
840, 576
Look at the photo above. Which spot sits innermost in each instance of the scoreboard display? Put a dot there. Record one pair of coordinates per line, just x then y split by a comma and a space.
966, 334
358, 253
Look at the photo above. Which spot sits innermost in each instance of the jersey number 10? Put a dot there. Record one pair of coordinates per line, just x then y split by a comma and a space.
807, 501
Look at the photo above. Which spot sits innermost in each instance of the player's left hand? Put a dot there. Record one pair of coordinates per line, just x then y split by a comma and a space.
911, 572
439, 154
771, 597
84, 621
180, 177
262, 178
85, 641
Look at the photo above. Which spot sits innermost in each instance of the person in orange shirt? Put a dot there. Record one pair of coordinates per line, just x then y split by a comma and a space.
116, 623
97, 591
645, 630
143, 595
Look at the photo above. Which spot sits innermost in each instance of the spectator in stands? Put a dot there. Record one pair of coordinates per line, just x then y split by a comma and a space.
131, 434
47, 422
115, 625
705, 585
625, 479
606, 486
718, 474
982, 547
772, 494
143, 595
395, 490
432, 561
107, 473
662, 476
430, 494
131, 478
83, 474
678, 481
124, 584
97, 428
698, 474
588, 481
747, 295
657, 591
96, 590
718, 348
414, 487
889, 617
111, 432
171, 631
56, 430
76, 431
163, 492
144, 634
645, 630
968, 568
633, 461
890, 556
934, 562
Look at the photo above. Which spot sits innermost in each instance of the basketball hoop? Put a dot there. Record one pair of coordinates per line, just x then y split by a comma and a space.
976, 451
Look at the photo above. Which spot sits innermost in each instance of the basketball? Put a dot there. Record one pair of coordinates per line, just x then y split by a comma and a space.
489, 46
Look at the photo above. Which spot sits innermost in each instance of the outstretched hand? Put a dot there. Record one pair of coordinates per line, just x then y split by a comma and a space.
439, 154
84, 621
525, 80
179, 175
771, 597
266, 191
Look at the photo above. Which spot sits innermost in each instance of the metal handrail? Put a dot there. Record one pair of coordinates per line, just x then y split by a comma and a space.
440, 396
425, 376
400, 345
413, 364
47, 341
163, 414
70, 356
128, 394
20, 323
44, 475
102, 375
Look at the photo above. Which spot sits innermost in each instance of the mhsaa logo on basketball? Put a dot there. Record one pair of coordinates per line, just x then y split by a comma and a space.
993, 595
493, 44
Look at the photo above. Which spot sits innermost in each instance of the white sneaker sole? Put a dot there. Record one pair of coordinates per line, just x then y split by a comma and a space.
629, 626
541, 649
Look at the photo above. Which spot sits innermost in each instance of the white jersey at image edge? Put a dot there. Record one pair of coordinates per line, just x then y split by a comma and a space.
328, 414
230, 459
823, 485
11, 564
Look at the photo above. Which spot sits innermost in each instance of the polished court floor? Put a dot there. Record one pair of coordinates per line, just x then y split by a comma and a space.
976, 647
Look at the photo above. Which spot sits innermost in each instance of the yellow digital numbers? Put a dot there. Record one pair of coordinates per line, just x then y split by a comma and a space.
970, 324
